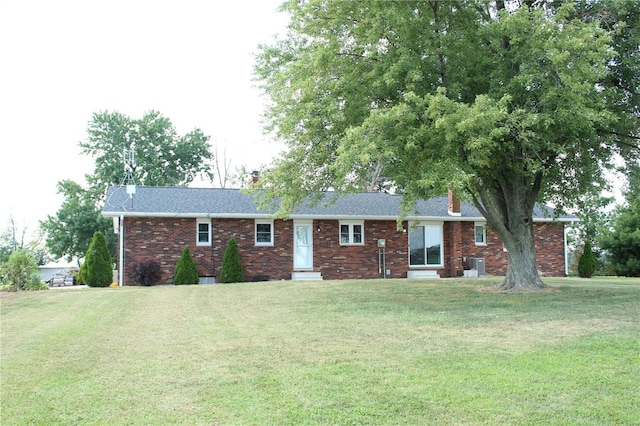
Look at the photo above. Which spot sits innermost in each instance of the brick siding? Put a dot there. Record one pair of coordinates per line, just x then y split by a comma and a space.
549, 243
163, 239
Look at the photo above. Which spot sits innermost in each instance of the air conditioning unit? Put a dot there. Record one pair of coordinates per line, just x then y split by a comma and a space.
477, 263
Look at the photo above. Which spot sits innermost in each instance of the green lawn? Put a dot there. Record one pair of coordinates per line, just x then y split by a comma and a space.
333, 352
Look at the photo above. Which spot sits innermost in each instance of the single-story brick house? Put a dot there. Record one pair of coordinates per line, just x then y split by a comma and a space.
355, 237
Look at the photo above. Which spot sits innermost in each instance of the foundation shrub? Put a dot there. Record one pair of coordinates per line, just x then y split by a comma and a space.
147, 272
97, 269
231, 266
186, 269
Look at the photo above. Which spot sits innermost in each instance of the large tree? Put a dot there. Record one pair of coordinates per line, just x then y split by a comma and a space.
622, 242
622, 20
161, 158
502, 102
70, 231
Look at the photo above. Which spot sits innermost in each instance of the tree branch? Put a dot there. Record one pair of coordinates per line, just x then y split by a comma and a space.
621, 135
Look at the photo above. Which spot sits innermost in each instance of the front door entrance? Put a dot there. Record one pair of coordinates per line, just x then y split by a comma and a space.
302, 245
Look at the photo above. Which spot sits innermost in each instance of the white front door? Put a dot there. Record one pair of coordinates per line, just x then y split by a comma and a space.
302, 245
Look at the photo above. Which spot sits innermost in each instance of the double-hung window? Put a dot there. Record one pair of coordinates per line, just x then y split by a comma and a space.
264, 232
480, 232
426, 245
351, 232
203, 232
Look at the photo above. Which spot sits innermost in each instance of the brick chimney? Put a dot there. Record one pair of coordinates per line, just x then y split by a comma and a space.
255, 176
454, 204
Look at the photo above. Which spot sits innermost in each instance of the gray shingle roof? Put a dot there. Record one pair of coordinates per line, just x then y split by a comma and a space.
233, 203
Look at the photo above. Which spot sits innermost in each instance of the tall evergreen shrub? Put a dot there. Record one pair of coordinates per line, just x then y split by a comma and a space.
186, 269
98, 271
587, 264
231, 265
82, 272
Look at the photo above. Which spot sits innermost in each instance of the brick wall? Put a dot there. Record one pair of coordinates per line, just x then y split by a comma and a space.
549, 242
453, 249
359, 261
550, 249
163, 239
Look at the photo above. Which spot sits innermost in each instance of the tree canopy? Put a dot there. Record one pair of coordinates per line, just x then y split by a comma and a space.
622, 20
70, 231
162, 157
622, 242
503, 102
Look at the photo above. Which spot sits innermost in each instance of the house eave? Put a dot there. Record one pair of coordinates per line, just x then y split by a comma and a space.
317, 217
189, 215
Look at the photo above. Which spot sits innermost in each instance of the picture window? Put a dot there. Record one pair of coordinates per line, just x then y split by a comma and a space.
425, 245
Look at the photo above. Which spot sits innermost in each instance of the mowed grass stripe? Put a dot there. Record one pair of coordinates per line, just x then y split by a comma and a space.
347, 352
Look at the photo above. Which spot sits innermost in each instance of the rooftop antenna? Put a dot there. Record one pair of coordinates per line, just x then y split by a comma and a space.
129, 158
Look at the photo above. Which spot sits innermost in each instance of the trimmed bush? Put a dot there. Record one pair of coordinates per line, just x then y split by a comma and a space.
587, 264
147, 272
97, 270
186, 269
231, 265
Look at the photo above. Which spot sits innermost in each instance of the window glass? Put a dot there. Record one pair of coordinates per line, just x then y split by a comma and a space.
264, 233
425, 244
416, 242
203, 236
357, 234
433, 239
351, 232
302, 236
344, 234
480, 235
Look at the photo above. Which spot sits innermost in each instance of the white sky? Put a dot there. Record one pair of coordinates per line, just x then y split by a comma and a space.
63, 60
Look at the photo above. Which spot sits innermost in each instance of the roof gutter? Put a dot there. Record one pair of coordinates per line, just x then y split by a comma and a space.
314, 216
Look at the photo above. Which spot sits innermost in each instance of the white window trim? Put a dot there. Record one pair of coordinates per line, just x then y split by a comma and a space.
431, 266
208, 222
350, 223
484, 233
255, 233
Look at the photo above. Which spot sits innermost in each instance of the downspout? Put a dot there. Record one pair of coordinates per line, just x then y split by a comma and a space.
566, 252
121, 262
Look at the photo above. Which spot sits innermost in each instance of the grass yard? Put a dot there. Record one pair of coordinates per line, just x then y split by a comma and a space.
334, 352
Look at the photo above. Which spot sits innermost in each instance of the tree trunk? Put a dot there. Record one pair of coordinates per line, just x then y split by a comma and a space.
508, 208
522, 273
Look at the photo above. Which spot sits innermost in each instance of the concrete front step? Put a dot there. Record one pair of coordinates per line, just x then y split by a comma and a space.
423, 274
306, 276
